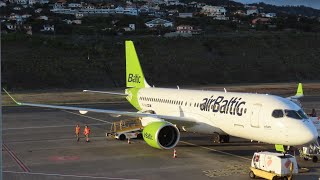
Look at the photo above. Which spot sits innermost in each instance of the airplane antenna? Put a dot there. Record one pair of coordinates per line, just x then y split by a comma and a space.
178, 87
225, 90
153, 86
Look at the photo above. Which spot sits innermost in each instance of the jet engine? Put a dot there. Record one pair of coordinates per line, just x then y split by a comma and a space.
161, 135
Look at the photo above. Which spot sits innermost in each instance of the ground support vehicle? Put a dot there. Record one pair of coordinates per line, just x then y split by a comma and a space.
310, 152
126, 129
273, 166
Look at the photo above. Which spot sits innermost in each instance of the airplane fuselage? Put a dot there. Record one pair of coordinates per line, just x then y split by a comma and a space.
242, 115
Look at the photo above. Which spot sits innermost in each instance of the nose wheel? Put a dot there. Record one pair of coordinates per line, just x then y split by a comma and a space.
217, 138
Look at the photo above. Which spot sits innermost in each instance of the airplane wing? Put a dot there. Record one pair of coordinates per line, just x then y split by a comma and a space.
106, 92
174, 119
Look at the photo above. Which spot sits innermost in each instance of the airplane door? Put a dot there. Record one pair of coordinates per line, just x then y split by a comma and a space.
255, 115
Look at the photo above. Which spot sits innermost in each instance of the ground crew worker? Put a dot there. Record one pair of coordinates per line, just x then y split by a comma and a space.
86, 132
77, 132
313, 113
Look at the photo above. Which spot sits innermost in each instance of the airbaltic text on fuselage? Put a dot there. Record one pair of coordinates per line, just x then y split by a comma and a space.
234, 106
134, 78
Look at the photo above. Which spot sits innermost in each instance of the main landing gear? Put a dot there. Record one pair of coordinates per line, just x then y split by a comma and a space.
217, 138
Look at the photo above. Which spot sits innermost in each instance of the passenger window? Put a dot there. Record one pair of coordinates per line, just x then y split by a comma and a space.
278, 113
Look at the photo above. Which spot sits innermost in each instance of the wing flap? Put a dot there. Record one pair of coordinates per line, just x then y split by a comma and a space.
106, 92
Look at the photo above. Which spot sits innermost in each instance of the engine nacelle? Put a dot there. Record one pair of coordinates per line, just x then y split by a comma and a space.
161, 135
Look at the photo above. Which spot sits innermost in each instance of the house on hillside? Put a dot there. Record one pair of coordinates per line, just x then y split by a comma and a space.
185, 15
2, 4
158, 22
39, 10
252, 10
171, 2
187, 29
74, 5
45, 18
270, 15
217, 12
47, 28
32, 2
261, 21
22, 2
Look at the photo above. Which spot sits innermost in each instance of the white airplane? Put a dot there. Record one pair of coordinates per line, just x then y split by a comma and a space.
165, 111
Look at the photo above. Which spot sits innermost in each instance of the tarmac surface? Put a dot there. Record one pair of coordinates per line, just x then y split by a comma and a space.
39, 144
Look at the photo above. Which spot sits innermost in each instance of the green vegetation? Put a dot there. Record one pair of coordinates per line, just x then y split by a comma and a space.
40, 62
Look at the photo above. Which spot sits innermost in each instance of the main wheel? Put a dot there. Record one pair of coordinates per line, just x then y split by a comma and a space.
216, 138
252, 175
226, 138
314, 159
306, 159
139, 136
122, 137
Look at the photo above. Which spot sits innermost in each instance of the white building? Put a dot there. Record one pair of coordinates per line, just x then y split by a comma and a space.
171, 2
270, 15
39, 10
74, 5
22, 2
32, 2
79, 15
213, 10
119, 10
217, 12
58, 5
159, 22
132, 26
185, 15
26, 16
3, 4
17, 8
48, 28
43, 18
252, 10
131, 11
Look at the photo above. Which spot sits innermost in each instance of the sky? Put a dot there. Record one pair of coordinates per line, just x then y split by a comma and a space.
310, 3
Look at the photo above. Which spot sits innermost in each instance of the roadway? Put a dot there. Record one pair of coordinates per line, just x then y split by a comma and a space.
40, 144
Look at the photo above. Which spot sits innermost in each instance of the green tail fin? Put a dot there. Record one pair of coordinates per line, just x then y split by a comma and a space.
134, 74
299, 90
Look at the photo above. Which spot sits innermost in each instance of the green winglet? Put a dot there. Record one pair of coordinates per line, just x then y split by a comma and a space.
299, 90
11, 97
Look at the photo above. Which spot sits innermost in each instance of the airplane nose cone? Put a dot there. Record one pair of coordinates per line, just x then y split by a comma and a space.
311, 135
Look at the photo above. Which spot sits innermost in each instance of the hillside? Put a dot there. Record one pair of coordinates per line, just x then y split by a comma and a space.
44, 62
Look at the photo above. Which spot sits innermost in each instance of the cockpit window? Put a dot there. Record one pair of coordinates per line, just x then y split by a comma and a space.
292, 114
302, 114
278, 113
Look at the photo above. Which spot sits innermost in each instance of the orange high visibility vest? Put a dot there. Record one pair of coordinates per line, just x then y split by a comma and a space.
77, 130
86, 131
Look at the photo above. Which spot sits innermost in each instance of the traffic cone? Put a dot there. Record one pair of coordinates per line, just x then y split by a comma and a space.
174, 153
129, 141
